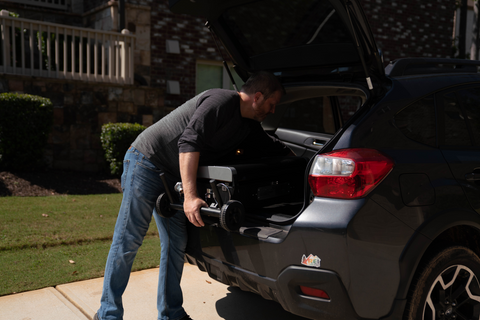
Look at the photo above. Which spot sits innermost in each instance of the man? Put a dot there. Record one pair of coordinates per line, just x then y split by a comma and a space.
206, 129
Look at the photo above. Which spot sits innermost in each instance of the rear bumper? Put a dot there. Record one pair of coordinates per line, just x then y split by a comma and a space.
285, 289
337, 307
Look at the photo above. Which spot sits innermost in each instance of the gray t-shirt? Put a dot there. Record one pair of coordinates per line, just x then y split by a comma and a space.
209, 123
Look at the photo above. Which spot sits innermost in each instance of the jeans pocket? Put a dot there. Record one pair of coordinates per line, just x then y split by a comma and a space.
126, 163
146, 164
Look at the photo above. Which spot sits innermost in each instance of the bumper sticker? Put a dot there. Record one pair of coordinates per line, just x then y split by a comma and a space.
311, 261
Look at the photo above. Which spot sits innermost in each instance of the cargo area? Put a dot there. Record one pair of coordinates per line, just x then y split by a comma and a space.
273, 191
267, 188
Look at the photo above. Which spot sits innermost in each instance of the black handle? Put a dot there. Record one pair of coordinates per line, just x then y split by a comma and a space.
166, 187
212, 212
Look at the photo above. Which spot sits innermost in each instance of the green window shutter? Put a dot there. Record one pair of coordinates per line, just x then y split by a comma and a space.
208, 77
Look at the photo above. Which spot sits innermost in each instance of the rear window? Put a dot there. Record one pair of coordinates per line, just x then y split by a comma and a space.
323, 114
348, 106
313, 114
295, 23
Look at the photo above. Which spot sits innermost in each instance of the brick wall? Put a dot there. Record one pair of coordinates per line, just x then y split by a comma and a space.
195, 43
411, 28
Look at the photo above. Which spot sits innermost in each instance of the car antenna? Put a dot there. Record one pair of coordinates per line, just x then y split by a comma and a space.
207, 24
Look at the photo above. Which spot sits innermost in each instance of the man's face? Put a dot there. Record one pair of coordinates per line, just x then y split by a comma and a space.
263, 107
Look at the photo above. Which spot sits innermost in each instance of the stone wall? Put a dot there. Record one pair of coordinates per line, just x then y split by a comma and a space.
80, 110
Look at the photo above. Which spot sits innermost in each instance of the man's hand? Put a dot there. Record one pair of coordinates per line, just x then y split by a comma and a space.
191, 207
188, 172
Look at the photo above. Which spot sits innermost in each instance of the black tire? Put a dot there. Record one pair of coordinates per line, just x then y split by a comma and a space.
232, 215
162, 206
448, 287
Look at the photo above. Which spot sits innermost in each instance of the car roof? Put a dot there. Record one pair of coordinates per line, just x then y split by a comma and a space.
428, 66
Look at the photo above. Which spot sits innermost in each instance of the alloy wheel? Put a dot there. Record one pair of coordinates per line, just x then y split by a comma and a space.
455, 294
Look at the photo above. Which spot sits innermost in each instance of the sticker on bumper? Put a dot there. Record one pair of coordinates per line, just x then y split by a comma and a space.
311, 261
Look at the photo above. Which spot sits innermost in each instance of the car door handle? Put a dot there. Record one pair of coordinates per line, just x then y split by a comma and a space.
318, 143
472, 176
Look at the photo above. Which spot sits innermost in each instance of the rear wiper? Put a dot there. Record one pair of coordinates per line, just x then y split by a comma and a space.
321, 26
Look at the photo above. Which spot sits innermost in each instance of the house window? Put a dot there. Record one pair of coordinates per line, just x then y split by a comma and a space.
212, 74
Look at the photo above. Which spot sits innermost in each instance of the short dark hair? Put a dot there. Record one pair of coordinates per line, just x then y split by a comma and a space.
264, 82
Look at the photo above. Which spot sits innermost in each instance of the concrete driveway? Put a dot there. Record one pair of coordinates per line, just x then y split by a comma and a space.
204, 299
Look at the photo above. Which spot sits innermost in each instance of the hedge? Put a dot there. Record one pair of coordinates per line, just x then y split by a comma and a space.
116, 138
25, 123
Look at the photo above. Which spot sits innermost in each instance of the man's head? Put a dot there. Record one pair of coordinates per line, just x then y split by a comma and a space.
264, 82
264, 92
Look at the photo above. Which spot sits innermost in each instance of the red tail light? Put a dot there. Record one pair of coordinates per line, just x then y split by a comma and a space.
314, 292
348, 173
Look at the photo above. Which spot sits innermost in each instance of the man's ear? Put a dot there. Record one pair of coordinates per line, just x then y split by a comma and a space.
257, 96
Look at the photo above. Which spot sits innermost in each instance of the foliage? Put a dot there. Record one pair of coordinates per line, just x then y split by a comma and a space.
42, 40
116, 138
41, 48
25, 123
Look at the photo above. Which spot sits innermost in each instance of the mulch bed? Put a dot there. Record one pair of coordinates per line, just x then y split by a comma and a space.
52, 182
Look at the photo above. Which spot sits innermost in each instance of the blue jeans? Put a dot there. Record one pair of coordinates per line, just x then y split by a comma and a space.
141, 186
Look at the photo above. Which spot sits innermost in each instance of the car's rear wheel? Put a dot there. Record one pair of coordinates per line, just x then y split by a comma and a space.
447, 288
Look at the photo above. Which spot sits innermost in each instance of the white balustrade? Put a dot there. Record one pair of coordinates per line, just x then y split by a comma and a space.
42, 49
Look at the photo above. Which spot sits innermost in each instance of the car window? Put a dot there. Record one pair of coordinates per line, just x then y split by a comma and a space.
417, 121
348, 106
456, 132
470, 99
312, 114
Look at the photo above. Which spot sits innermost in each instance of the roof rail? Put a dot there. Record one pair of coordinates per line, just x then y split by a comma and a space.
419, 66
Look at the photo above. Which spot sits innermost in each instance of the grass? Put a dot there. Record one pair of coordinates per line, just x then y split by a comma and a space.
40, 236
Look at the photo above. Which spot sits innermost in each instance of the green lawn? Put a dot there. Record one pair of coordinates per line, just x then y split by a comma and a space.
46, 241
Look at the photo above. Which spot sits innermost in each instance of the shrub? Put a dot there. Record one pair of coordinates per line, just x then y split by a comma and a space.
116, 138
25, 123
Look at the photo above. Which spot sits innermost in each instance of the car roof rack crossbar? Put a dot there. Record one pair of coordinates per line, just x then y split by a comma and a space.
421, 66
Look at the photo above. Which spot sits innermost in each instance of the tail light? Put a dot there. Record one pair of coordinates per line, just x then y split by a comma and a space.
312, 292
348, 173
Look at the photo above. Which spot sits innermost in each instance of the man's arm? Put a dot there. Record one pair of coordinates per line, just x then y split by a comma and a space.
188, 172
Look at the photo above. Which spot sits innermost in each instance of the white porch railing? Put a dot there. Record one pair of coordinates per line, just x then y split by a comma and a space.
42, 49
53, 4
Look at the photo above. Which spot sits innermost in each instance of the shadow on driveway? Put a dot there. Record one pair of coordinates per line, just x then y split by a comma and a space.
241, 305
